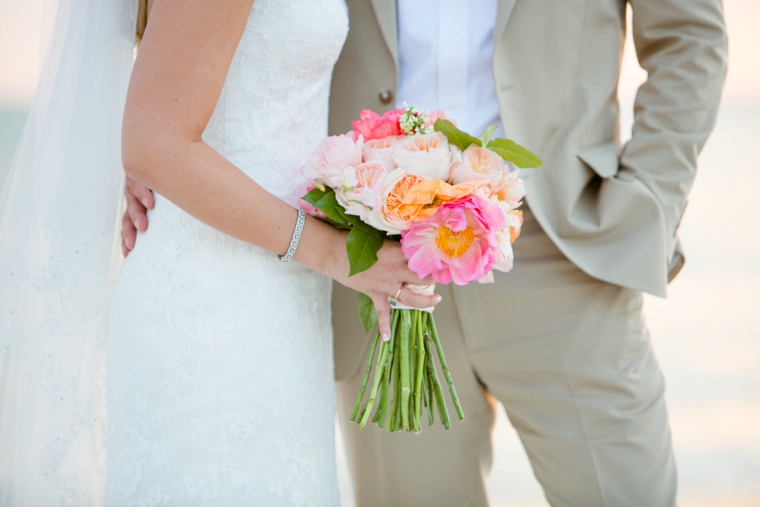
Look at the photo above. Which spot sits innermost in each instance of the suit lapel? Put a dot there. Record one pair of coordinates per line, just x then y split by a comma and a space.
503, 12
385, 10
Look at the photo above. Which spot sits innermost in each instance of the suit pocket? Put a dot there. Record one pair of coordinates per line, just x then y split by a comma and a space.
603, 158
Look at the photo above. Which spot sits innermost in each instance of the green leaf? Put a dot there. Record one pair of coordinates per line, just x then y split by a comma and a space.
362, 248
357, 222
513, 152
367, 313
327, 203
338, 225
315, 195
487, 135
458, 138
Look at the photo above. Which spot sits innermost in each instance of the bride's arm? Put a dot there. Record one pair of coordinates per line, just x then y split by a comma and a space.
177, 79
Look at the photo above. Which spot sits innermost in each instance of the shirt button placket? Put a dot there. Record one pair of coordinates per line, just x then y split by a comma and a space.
453, 59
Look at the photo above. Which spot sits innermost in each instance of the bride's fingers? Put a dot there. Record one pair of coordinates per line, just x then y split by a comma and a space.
411, 278
410, 298
140, 192
128, 234
383, 309
137, 212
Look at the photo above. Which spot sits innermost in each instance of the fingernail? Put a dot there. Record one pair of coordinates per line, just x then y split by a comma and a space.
392, 302
438, 299
144, 202
386, 338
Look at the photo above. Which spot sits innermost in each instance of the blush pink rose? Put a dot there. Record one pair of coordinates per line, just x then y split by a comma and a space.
328, 163
507, 236
480, 165
381, 149
458, 244
438, 114
373, 126
361, 187
426, 155
513, 190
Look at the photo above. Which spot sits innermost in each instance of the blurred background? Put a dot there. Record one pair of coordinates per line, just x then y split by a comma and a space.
706, 334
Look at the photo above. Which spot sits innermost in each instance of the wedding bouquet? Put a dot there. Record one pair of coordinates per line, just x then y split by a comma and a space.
451, 199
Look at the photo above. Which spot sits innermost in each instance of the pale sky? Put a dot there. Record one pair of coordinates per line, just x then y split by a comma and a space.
21, 52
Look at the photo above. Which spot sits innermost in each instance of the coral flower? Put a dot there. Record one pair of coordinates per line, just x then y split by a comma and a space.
373, 126
459, 243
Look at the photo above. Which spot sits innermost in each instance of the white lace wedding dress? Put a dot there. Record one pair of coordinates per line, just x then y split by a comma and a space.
220, 385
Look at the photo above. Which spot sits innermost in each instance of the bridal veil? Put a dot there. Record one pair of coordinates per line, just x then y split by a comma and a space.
58, 258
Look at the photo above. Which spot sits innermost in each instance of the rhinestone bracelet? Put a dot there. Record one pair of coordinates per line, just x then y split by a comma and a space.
296, 237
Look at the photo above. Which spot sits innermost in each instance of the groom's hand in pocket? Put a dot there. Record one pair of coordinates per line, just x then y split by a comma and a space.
139, 201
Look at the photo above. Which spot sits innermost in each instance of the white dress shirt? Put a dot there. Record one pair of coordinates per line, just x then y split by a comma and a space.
445, 52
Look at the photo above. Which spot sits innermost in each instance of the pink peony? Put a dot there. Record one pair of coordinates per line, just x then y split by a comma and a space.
373, 126
459, 243
328, 163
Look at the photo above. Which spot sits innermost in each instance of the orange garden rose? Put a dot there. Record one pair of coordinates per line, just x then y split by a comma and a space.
390, 215
422, 200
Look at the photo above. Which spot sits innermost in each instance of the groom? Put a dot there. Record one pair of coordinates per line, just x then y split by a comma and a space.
560, 340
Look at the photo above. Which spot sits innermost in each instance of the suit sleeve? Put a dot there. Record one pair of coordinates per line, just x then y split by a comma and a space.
682, 45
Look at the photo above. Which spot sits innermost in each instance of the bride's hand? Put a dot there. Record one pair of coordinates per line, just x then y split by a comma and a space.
383, 280
139, 201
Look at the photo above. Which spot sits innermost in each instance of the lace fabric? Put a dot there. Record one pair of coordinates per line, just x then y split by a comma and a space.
220, 356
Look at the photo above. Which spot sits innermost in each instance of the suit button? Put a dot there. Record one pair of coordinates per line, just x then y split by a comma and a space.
386, 96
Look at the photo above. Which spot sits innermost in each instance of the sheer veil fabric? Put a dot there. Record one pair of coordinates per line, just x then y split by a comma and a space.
58, 259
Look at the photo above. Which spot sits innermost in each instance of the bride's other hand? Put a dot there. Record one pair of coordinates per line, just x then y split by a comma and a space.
139, 201
382, 281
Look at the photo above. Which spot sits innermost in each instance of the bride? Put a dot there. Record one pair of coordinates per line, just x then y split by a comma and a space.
219, 350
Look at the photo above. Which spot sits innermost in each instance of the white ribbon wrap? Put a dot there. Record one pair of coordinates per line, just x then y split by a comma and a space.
423, 290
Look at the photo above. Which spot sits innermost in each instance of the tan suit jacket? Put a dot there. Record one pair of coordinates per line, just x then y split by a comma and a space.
567, 355
613, 211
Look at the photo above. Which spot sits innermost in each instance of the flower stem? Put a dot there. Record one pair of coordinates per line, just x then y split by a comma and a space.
366, 376
406, 388
446, 372
443, 412
375, 386
395, 415
419, 372
428, 380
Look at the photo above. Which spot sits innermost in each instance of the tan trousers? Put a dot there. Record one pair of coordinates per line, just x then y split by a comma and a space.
570, 359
